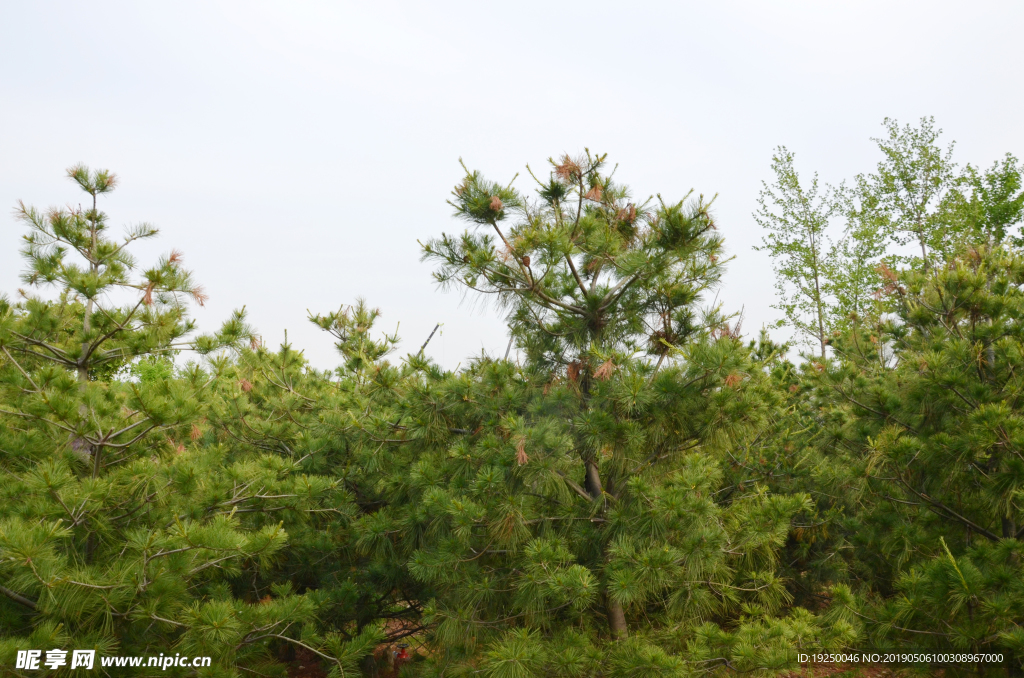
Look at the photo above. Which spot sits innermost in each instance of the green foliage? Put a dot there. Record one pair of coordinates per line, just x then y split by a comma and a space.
929, 433
987, 204
583, 268
584, 489
640, 493
134, 520
904, 437
796, 220
909, 185
827, 281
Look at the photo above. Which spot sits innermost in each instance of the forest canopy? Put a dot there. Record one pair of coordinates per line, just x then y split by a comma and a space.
642, 490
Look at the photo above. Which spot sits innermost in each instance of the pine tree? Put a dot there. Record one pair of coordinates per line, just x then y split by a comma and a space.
128, 525
928, 434
874, 436
71, 250
563, 515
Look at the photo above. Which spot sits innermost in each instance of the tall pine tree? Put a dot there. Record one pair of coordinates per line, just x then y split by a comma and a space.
571, 513
127, 525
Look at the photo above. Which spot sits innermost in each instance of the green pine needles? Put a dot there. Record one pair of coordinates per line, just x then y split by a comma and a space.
635, 490
128, 525
591, 496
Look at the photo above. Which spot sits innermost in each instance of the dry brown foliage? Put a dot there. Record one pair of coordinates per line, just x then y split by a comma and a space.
568, 169
521, 456
572, 371
606, 370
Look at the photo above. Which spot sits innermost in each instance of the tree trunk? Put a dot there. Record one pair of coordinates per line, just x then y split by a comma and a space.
83, 379
83, 365
616, 615
592, 483
817, 296
616, 620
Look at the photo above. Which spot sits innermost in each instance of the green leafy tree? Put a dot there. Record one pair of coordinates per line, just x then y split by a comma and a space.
909, 185
897, 437
797, 222
987, 205
822, 282
854, 280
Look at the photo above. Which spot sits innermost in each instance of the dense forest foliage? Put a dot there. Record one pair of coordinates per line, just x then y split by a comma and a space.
640, 491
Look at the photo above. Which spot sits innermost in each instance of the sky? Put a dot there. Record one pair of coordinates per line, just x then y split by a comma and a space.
295, 152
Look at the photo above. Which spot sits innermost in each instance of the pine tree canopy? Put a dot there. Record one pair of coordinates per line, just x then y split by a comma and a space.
633, 490
135, 518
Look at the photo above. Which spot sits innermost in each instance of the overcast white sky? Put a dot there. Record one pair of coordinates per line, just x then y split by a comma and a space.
296, 151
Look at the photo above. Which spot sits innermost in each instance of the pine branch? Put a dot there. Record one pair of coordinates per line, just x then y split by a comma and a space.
424, 346
58, 354
211, 563
614, 293
168, 621
126, 429
950, 512
572, 267
74, 521
575, 487
300, 644
134, 440
20, 369
874, 411
118, 326
18, 598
